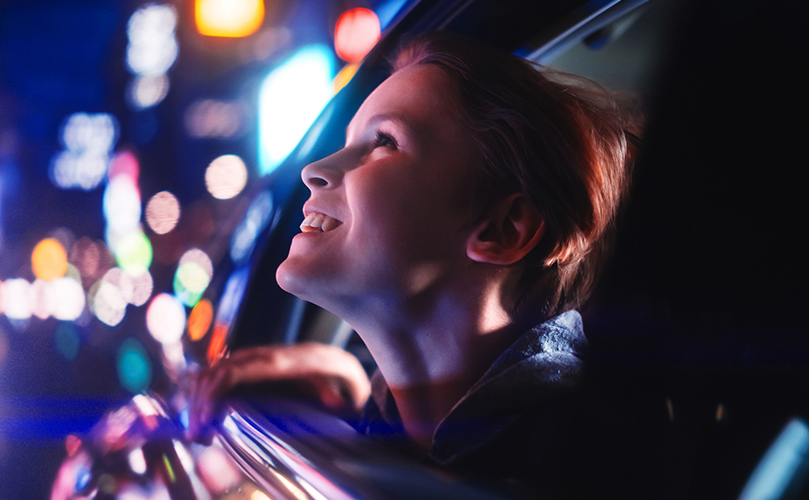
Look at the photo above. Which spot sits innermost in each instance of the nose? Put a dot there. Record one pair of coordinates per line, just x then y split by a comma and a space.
323, 173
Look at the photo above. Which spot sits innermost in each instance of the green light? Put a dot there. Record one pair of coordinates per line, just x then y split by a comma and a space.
134, 253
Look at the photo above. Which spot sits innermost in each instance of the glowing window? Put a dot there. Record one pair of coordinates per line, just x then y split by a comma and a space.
290, 99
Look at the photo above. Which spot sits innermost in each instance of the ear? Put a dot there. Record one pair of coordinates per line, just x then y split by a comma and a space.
512, 229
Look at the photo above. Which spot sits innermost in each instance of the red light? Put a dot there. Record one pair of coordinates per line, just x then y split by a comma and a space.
355, 34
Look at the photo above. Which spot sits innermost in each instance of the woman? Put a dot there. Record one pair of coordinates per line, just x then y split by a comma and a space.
457, 231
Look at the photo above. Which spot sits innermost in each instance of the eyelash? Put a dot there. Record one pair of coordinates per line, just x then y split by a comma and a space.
384, 140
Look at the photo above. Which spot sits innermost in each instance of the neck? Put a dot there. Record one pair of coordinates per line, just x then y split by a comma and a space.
431, 355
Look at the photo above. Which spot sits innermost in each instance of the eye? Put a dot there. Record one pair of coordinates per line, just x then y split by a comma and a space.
384, 140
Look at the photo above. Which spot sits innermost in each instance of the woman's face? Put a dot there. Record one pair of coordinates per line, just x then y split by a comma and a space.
390, 213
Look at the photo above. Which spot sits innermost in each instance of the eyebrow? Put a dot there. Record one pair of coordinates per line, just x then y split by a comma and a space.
382, 117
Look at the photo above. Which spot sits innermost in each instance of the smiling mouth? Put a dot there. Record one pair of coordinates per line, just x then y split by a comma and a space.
318, 223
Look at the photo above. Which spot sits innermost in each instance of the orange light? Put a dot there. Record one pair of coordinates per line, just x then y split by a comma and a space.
344, 76
49, 260
229, 18
355, 34
200, 319
217, 346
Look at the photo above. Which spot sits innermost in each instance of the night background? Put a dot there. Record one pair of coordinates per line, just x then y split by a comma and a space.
137, 137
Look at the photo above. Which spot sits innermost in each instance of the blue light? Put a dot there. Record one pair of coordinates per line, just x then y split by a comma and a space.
290, 99
134, 367
784, 466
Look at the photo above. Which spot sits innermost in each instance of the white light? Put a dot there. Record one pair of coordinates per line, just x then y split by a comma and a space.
290, 99
137, 461
146, 91
226, 176
121, 205
165, 319
17, 299
88, 141
152, 47
68, 299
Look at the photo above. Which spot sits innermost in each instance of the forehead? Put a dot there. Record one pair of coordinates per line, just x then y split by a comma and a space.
422, 97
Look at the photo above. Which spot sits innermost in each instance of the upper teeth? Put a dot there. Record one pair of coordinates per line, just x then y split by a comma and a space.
318, 222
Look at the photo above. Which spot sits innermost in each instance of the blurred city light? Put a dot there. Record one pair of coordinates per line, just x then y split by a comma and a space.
66, 340
226, 177
111, 296
88, 140
134, 253
125, 163
49, 260
212, 118
122, 210
355, 34
68, 299
142, 286
17, 299
41, 299
152, 47
229, 18
162, 212
290, 99
92, 259
194, 273
147, 90
255, 220
134, 366
199, 321
165, 318
344, 76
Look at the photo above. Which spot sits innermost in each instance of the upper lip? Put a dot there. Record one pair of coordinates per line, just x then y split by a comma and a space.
311, 209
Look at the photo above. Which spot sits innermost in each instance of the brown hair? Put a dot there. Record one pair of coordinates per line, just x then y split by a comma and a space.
559, 139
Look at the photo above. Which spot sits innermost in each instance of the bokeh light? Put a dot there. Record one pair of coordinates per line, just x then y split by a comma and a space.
216, 348
88, 140
344, 76
122, 208
290, 99
165, 318
111, 295
134, 366
125, 163
17, 299
134, 253
41, 299
66, 340
212, 118
68, 299
147, 90
226, 177
92, 259
355, 34
254, 221
49, 260
199, 321
142, 286
152, 47
194, 273
229, 18
162, 212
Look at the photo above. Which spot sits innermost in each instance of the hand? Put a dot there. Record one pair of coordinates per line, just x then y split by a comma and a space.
329, 374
